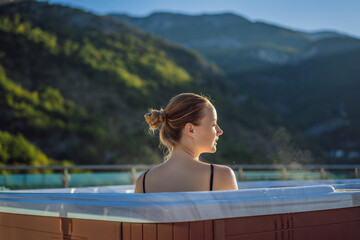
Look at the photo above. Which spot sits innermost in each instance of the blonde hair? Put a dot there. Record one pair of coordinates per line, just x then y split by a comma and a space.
183, 108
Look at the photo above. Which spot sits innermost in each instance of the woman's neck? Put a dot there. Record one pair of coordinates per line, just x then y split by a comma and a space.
181, 152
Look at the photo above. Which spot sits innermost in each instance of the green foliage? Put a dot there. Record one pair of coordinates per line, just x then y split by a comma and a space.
130, 65
52, 100
24, 28
46, 114
38, 110
70, 47
163, 68
16, 150
79, 89
122, 60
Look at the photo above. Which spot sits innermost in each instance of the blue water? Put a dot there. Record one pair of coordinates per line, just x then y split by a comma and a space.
54, 180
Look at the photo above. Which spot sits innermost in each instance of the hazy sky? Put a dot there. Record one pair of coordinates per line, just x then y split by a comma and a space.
310, 15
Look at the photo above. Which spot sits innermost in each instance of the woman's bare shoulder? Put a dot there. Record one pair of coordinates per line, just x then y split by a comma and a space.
139, 184
224, 178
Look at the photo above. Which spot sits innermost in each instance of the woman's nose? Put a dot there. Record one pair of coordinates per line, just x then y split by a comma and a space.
219, 131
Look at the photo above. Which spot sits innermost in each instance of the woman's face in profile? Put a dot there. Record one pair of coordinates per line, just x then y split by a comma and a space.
208, 132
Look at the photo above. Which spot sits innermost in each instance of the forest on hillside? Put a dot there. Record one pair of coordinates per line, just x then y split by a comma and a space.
75, 92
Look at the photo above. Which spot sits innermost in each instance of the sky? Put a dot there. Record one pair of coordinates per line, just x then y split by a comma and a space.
305, 15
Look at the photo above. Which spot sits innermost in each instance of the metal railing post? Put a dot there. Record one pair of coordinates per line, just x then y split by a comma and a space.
241, 174
356, 173
65, 178
283, 173
322, 173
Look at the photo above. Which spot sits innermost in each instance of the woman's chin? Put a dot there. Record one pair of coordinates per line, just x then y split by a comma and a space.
211, 149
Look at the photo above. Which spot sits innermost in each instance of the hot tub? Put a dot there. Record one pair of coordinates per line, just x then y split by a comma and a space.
314, 210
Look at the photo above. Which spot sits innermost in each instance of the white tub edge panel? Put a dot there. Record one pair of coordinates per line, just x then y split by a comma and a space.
176, 207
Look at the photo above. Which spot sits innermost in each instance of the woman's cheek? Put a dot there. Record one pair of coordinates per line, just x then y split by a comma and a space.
214, 130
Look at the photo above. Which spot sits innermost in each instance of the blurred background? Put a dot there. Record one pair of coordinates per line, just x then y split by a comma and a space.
76, 78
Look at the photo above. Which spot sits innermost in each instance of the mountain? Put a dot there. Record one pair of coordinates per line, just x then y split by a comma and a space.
76, 85
324, 34
310, 79
319, 97
237, 44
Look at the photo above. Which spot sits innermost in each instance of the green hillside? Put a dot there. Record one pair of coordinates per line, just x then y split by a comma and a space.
77, 86
310, 79
47, 119
16, 150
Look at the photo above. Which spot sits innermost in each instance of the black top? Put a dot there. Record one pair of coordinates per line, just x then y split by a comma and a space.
211, 178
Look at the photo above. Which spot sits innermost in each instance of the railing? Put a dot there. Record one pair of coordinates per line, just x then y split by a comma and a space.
284, 168
239, 168
66, 175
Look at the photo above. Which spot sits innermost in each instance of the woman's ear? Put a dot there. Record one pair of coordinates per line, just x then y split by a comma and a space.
189, 130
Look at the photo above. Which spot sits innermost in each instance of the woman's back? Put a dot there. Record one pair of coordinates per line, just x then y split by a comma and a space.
198, 176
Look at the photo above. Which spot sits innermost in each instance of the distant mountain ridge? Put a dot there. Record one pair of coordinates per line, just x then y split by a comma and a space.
114, 72
310, 79
236, 43
319, 97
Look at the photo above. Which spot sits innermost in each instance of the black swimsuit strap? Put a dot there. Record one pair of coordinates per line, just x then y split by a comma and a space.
212, 177
144, 181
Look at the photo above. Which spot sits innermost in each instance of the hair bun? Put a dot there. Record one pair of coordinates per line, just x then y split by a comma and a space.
155, 118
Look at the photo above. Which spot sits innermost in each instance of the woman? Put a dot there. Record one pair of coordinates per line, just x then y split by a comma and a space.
188, 128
